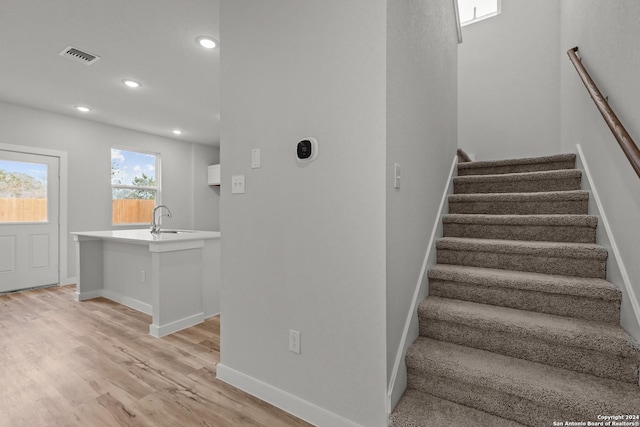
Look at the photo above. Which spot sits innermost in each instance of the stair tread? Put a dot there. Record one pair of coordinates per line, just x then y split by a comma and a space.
590, 221
544, 384
573, 332
535, 282
521, 176
520, 197
521, 161
549, 249
418, 409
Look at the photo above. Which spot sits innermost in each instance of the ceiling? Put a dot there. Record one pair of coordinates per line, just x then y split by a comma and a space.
150, 41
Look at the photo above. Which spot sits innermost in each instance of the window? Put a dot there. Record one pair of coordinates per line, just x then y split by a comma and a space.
135, 186
23, 191
476, 10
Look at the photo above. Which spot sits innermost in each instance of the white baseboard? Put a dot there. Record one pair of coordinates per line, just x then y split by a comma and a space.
398, 380
128, 301
154, 330
209, 316
616, 270
282, 399
68, 281
83, 296
175, 326
120, 299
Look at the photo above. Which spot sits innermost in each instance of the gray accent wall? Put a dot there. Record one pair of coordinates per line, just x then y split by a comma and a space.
422, 56
329, 248
304, 247
509, 82
608, 35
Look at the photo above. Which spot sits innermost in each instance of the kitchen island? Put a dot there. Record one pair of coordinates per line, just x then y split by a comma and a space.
173, 276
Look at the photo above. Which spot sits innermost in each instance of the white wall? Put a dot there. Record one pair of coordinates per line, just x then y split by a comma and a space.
88, 145
509, 83
304, 248
608, 35
421, 138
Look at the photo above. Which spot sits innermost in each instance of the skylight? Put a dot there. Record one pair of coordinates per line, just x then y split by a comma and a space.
476, 10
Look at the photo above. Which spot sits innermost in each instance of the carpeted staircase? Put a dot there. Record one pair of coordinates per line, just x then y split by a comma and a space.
520, 326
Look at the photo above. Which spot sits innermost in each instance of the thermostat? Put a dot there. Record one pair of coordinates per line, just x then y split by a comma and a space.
307, 150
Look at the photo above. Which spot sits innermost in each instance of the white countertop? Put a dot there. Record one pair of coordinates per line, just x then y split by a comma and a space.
144, 235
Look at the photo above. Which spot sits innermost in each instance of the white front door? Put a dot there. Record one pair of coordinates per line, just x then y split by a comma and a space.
29, 226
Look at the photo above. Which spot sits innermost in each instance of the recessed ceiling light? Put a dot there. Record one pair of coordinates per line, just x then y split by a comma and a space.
177, 131
131, 83
207, 42
83, 109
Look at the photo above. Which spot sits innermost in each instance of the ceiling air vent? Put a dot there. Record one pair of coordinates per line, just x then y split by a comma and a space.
79, 55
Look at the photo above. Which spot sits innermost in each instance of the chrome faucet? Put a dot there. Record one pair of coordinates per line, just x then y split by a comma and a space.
155, 226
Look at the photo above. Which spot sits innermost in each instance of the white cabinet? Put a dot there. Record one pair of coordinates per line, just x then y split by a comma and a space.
213, 174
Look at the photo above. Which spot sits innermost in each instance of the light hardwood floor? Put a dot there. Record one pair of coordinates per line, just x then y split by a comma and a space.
64, 363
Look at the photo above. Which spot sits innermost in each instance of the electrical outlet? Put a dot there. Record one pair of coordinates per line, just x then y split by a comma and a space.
237, 184
294, 341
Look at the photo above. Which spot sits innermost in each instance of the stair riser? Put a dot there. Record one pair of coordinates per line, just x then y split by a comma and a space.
581, 267
517, 168
561, 305
570, 207
571, 234
590, 362
425, 410
523, 186
486, 399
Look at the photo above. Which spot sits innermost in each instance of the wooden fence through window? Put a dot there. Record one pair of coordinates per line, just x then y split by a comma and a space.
126, 211
23, 210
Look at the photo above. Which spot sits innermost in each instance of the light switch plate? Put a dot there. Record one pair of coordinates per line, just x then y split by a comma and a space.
396, 172
237, 184
255, 158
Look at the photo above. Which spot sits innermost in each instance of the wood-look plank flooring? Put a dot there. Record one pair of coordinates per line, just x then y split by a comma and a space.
65, 363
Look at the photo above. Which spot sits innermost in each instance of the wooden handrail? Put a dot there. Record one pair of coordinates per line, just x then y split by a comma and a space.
463, 157
629, 147
456, 12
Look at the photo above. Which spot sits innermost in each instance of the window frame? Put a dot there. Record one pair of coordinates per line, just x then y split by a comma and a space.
157, 188
483, 17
